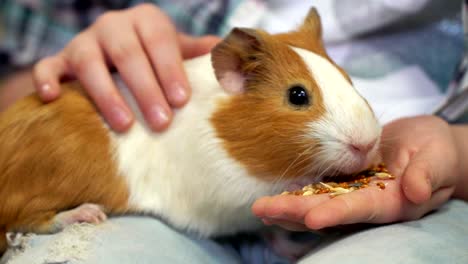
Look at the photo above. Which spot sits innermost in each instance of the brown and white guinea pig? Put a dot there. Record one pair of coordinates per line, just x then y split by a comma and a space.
267, 111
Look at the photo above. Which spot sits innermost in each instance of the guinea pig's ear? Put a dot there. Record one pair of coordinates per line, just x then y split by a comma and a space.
312, 25
234, 57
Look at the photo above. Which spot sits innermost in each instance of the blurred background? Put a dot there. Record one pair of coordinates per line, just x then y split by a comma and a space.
401, 54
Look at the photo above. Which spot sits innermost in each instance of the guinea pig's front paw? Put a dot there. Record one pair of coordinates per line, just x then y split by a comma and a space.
85, 213
14, 239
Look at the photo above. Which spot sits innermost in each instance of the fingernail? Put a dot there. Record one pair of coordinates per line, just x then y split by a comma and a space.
46, 91
158, 116
179, 93
121, 116
46, 88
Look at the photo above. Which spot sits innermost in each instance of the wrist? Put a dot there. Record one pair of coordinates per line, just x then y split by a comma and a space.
460, 134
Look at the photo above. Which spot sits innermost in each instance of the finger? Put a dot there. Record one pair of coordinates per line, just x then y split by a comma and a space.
396, 158
438, 198
160, 43
286, 207
193, 47
402, 160
288, 225
411, 170
362, 206
128, 56
416, 180
87, 61
47, 74
422, 176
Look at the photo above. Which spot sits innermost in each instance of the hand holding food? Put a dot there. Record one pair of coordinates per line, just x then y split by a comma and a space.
419, 152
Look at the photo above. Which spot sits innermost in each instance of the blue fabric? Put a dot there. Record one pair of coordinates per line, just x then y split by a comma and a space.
440, 237
133, 239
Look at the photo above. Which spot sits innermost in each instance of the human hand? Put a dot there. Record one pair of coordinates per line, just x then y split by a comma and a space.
145, 48
419, 151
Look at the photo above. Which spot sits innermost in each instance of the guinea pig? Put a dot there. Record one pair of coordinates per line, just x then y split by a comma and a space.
267, 111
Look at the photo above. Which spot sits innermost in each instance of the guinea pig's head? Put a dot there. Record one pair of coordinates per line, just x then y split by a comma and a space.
293, 112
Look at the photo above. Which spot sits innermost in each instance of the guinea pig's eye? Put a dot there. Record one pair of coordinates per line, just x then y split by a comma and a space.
298, 96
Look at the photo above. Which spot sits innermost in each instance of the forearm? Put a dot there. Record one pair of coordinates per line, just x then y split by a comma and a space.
460, 133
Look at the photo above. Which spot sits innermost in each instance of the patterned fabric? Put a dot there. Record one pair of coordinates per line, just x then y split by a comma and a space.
33, 29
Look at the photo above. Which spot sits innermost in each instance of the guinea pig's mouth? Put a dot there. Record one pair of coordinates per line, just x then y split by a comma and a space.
300, 182
295, 186
344, 160
340, 168
354, 166
355, 157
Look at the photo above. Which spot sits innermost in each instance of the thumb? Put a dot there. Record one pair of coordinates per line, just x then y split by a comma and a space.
426, 173
196, 46
417, 179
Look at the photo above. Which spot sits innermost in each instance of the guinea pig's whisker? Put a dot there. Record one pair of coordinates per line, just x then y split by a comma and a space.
380, 115
296, 159
308, 158
320, 168
292, 164
336, 164
315, 156
299, 160
384, 112
324, 172
329, 163
305, 171
346, 162
320, 175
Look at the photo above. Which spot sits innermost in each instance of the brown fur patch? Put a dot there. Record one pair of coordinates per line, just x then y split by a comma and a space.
55, 157
3, 241
259, 127
309, 37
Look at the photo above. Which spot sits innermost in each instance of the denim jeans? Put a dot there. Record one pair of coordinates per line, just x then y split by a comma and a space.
440, 237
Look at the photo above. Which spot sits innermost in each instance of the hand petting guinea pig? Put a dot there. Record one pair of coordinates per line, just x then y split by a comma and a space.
267, 112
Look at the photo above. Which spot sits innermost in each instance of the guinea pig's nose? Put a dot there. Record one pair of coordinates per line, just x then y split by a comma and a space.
362, 148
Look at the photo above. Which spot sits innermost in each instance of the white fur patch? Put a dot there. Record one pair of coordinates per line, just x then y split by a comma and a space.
348, 118
184, 174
